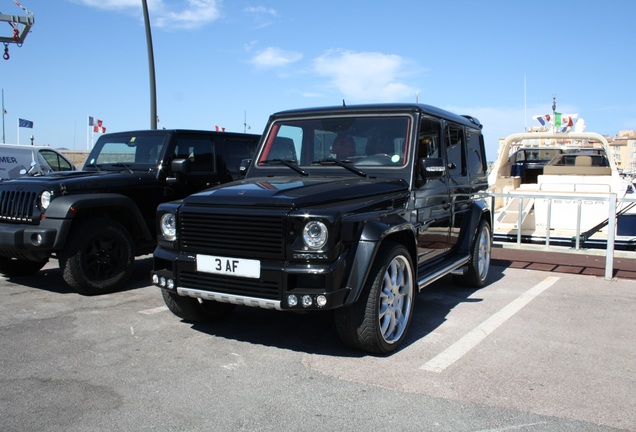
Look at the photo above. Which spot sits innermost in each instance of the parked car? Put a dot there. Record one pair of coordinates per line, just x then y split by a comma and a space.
20, 160
351, 209
97, 220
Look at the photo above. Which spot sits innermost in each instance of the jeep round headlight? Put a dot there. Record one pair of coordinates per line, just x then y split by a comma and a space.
45, 200
168, 224
315, 234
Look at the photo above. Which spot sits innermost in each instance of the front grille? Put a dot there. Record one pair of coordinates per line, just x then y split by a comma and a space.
17, 206
258, 288
245, 234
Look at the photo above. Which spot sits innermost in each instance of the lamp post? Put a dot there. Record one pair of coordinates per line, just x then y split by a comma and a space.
151, 68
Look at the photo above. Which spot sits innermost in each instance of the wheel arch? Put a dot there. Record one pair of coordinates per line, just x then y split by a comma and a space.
479, 211
375, 235
78, 208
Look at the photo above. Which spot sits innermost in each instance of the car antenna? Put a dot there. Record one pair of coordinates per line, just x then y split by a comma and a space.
344, 104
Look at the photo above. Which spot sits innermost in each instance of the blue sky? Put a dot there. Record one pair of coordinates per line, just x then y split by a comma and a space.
230, 62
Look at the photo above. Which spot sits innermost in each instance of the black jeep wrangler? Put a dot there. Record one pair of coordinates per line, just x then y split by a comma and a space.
351, 209
95, 221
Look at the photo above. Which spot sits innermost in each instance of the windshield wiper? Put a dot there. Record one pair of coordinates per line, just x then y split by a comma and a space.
123, 165
346, 165
94, 165
288, 163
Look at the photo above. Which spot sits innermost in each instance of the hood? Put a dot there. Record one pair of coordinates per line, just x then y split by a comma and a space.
295, 192
82, 180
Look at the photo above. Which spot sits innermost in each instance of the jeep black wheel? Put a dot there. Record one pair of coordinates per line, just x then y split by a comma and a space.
379, 320
99, 258
196, 310
11, 267
479, 265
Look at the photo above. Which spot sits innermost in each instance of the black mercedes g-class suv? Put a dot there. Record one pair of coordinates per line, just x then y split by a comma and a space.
95, 221
350, 209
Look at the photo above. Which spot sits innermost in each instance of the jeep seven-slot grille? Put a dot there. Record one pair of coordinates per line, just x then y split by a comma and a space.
240, 235
17, 206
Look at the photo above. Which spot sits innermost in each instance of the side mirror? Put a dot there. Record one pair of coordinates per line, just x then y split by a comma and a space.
182, 166
432, 168
245, 165
178, 166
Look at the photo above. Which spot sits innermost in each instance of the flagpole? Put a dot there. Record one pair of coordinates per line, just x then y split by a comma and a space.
18, 130
3, 114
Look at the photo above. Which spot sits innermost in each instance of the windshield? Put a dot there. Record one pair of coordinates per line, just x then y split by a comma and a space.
129, 150
363, 141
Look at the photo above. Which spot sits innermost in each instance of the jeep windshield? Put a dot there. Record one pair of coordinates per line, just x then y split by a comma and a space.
127, 152
339, 144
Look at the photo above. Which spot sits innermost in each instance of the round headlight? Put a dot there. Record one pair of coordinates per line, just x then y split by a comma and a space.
315, 234
168, 225
45, 200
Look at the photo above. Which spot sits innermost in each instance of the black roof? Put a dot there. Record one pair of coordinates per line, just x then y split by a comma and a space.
382, 108
181, 131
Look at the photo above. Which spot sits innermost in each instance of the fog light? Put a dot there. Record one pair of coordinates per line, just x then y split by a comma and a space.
170, 284
155, 279
321, 300
37, 239
307, 301
292, 300
162, 281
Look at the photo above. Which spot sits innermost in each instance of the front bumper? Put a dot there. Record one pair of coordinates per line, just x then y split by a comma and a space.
282, 286
32, 242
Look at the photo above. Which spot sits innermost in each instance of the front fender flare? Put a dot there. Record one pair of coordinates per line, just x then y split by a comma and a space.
67, 207
373, 236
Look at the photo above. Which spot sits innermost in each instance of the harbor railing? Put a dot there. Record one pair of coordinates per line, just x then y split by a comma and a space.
615, 206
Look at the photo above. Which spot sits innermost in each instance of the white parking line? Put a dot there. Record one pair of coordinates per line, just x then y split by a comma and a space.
153, 310
456, 351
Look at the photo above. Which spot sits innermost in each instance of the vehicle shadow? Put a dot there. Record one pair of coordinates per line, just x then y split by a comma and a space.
315, 333
50, 278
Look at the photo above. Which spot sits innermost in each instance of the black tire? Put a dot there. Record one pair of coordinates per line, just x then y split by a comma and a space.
196, 310
99, 258
12, 267
378, 322
477, 273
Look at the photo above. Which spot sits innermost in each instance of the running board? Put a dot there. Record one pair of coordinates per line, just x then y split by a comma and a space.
453, 268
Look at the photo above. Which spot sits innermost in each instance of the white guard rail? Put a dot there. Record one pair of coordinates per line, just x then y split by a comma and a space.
612, 199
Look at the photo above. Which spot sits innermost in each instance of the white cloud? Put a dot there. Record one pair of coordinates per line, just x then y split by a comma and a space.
260, 10
263, 16
272, 57
190, 14
365, 76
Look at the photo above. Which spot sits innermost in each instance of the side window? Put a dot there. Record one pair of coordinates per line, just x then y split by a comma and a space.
234, 151
55, 161
429, 139
455, 150
476, 154
201, 153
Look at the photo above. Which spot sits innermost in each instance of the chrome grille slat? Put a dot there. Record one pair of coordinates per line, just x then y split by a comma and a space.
17, 206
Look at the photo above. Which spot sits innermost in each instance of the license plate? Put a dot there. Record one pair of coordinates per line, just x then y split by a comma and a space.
229, 266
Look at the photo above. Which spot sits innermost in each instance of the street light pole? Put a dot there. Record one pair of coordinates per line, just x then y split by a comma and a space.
151, 68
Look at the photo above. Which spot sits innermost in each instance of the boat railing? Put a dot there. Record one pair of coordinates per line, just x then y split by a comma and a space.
614, 204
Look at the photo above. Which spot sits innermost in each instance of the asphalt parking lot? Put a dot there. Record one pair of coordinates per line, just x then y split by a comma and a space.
533, 351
